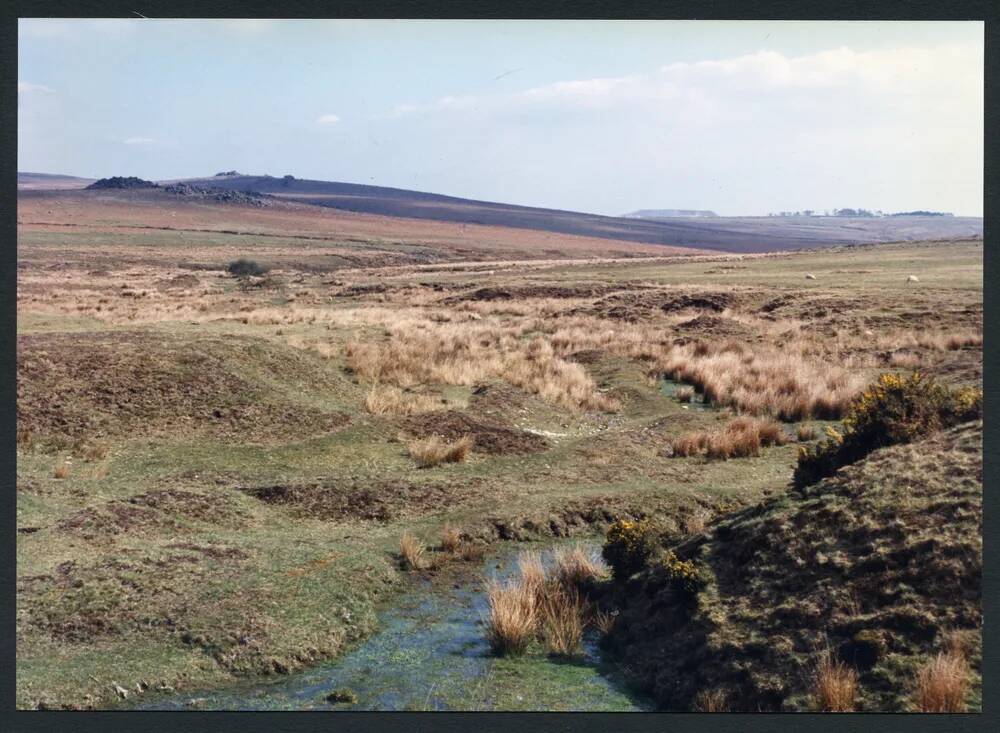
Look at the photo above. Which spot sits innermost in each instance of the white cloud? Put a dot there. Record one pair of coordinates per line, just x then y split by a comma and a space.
894, 128
140, 141
26, 87
898, 71
330, 119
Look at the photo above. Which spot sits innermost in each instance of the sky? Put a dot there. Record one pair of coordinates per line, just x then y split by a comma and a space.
740, 117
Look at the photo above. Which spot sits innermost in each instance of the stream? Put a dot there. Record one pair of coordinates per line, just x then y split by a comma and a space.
430, 654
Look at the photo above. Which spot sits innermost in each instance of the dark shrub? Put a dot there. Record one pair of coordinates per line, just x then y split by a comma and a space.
245, 268
894, 409
628, 546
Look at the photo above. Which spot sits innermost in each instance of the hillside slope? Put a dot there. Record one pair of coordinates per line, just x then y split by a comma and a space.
728, 234
879, 564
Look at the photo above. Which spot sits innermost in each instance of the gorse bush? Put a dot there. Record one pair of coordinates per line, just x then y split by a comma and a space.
245, 268
628, 546
683, 574
894, 409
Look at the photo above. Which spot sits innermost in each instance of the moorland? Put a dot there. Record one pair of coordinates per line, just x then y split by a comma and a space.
244, 429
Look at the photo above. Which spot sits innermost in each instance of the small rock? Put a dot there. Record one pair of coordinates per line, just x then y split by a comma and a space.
810, 276
913, 279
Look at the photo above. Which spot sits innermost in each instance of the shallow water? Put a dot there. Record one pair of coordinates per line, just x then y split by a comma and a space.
431, 654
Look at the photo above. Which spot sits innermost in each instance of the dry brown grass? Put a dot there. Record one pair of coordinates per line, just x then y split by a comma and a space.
684, 394
94, 451
942, 683
531, 574
412, 551
421, 351
905, 360
435, 450
710, 701
61, 470
572, 567
780, 382
836, 685
472, 551
603, 621
694, 523
451, 539
513, 617
690, 444
741, 438
562, 620
389, 400
100, 471
806, 432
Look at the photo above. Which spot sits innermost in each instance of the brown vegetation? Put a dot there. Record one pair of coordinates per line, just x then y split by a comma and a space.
451, 539
710, 701
389, 400
942, 683
741, 438
61, 470
836, 685
806, 432
433, 451
512, 620
411, 550
562, 620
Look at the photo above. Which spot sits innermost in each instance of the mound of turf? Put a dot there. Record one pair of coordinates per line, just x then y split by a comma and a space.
879, 564
87, 385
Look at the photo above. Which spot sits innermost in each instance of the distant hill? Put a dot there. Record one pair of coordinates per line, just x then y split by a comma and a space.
668, 213
725, 234
50, 181
728, 234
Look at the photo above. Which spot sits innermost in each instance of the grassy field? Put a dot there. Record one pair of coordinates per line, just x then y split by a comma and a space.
214, 473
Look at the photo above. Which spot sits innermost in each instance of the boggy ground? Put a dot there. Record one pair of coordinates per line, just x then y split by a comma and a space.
213, 475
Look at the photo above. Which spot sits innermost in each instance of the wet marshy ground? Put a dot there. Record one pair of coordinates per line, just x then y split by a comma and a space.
431, 654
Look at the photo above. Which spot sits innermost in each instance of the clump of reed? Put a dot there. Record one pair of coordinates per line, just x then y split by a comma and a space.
550, 601
943, 681
835, 685
412, 550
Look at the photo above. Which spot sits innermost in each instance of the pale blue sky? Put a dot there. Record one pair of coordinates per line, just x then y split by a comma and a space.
610, 116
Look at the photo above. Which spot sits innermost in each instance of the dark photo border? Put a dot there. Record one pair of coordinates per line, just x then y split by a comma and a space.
12, 720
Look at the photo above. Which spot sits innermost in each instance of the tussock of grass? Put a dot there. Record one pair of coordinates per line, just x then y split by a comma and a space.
412, 551
434, 450
836, 686
451, 539
61, 470
710, 701
776, 382
740, 438
513, 617
532, 574
806, 432
463, 354
572, 567
389, 400
603, 621
684, 394
942, 684
562, 620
